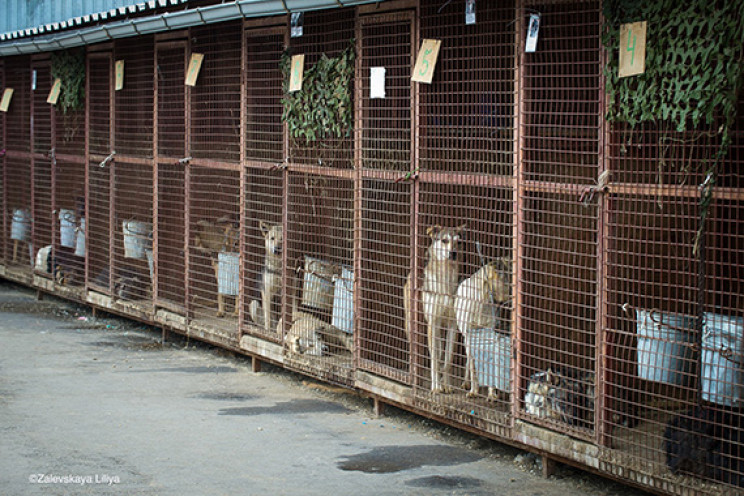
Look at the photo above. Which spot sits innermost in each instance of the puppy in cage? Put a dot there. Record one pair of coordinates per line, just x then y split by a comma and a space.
482, 303
564, 395
271, 276
213, 238
438, 291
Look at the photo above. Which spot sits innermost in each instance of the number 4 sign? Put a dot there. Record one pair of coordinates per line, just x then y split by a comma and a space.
632, 49
423, 71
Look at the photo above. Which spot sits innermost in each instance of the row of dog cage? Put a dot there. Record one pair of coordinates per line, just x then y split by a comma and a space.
600, 325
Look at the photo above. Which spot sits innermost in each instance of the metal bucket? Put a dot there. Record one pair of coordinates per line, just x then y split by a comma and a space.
20, 227
342, 316
491, 353
148, 255
67, 228
228, 273
137, 238
723, 357
665, 352
317, 288
80, 239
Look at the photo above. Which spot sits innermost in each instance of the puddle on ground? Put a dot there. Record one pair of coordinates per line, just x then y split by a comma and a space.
224, 396
291, 407
445, 482
387, 459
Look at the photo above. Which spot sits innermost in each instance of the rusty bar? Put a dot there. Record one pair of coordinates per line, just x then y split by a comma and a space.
215, 164
416, 352
240, 299
496, 181
112, 176
358, 191
155, 282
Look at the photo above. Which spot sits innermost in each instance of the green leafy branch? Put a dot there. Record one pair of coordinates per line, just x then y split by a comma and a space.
323, 108
69, 67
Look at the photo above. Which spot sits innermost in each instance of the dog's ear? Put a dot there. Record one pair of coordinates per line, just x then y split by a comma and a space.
433, 230
459, 229
264, 228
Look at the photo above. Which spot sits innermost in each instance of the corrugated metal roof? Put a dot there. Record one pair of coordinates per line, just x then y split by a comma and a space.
25, 18
119, 23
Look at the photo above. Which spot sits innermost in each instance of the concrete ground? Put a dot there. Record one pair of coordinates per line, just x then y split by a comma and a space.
98, 406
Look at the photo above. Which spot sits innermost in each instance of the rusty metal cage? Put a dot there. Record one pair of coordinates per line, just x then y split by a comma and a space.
561, 127
467, 113
133, 233
99, 89
325, 34
263, 249
42, 161
319, 334
264, 132
133, 123
214, 251
18, 186
587, 296
215, 100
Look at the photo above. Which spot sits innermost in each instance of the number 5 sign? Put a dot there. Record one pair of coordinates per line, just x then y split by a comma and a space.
632, 49
423, 71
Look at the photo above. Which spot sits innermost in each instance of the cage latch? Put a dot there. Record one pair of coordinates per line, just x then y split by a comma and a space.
184, 161
107, 159
281, 166
587, 195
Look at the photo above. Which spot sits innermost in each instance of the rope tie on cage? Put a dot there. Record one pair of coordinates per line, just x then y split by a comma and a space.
603, 183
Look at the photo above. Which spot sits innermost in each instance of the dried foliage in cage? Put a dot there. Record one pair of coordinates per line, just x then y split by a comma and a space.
69, 67
323, 108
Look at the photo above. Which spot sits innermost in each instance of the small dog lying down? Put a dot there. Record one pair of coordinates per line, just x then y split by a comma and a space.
481, 303
311, 336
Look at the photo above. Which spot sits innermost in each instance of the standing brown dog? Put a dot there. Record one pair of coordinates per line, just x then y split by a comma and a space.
271, 278
438, 291
213, 238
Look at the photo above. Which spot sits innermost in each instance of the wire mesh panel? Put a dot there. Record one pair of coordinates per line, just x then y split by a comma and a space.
171, 240
170, 256
557, 380
675, 324
464, 286
263, 252
18, 117
20, 222
319, 336
467, 114
326, 35
133, 233
69, 221
264, 137
214, 258
386, 42
171, 67
42, 163
3, 152
215, 100
133, 124
97, 225
384, 348
561, 128
562, 95
99, 109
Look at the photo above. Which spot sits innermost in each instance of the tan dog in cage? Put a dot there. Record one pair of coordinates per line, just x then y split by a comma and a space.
221, 235
438, 290
271, 278
479, 304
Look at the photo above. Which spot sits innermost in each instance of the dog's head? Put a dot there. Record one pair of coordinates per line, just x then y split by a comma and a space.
273, 237
498, 279
445, 242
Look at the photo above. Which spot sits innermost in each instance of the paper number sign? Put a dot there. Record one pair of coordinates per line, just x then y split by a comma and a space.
632, 49
297, 72
54, 92
423, 71
194, 67
5, 103
119, 74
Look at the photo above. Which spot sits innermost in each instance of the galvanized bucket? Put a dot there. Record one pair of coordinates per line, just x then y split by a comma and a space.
342, 316
137, 238
723, 357
317, 288
665, 347
80, 239
20, 227
228, 273
67, 224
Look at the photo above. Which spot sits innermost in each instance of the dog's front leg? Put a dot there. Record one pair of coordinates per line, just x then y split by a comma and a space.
450, 334
434, 355
266, 302
471, 371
